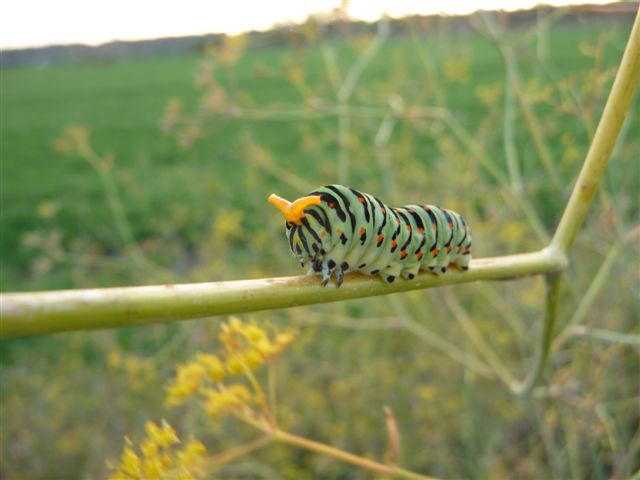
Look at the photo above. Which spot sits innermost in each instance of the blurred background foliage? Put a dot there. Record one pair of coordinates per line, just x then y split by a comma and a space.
157, 170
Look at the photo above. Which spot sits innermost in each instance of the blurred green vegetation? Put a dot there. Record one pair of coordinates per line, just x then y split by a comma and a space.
190, 147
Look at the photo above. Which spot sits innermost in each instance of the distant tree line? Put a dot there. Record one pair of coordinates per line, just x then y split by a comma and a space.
335, 25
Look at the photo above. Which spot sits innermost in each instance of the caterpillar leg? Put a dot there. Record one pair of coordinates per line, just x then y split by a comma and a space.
410, 272
436, 269
462, 262
390, 273
326, 273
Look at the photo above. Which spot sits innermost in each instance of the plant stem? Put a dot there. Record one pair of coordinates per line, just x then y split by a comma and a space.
546, 337
362, 462
620, 98
508, 136
344, 94
599, 281
531, 121
492, 169
237, 452
478, 341
436, 342
34, 313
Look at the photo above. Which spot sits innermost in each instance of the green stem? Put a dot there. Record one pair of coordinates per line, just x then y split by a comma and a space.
531, 120
35, 313
508, 136
436, 342
607, 335
492, 169
620, 98
544, 348
478, 341
598, 282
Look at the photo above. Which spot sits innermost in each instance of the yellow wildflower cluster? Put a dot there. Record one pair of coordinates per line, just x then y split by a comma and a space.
457, 69
158, 458
489, 94
249, 346
246, 347
220, 401
74, 141
538, 92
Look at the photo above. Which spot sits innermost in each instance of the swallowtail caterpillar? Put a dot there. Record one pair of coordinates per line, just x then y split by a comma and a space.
336, 229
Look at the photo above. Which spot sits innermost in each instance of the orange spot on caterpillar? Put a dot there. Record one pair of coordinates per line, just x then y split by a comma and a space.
435, 226
332, 205
451, 226
419, 255
338, 230
403, 254
380, 238
420, 230
448, 248
435, 252
361, 199
362, 230
394, 243
408, 227
323, 233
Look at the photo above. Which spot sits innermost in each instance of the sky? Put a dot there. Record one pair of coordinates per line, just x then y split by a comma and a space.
30, 23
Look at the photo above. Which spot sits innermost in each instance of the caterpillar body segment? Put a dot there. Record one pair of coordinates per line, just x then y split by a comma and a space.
336, 229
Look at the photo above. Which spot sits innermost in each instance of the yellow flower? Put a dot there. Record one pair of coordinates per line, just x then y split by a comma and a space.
130, 461
159, 460
163, 436
114, 359
220, 401
191, 454
188, 381
284, 339
489, 94
235, 365
457, 69
212, 365
253, 358
253, 333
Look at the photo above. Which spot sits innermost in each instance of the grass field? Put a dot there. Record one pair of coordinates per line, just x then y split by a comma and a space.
194, 201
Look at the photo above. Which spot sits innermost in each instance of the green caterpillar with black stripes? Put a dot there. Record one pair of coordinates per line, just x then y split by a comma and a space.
336, 229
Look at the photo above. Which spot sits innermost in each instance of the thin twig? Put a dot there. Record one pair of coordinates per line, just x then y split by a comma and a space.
490, 166
237, 452
599, 281
344, 94
359, 461
531, 120
438, 343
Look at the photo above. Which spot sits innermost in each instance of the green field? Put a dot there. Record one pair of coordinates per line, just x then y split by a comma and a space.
198, 212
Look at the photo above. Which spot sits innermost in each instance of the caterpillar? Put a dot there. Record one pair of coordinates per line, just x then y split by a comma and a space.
336, 229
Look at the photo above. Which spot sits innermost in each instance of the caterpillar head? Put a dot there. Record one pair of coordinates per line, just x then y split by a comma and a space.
304, 232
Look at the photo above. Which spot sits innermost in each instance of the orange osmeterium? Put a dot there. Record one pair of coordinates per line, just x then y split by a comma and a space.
293, 211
